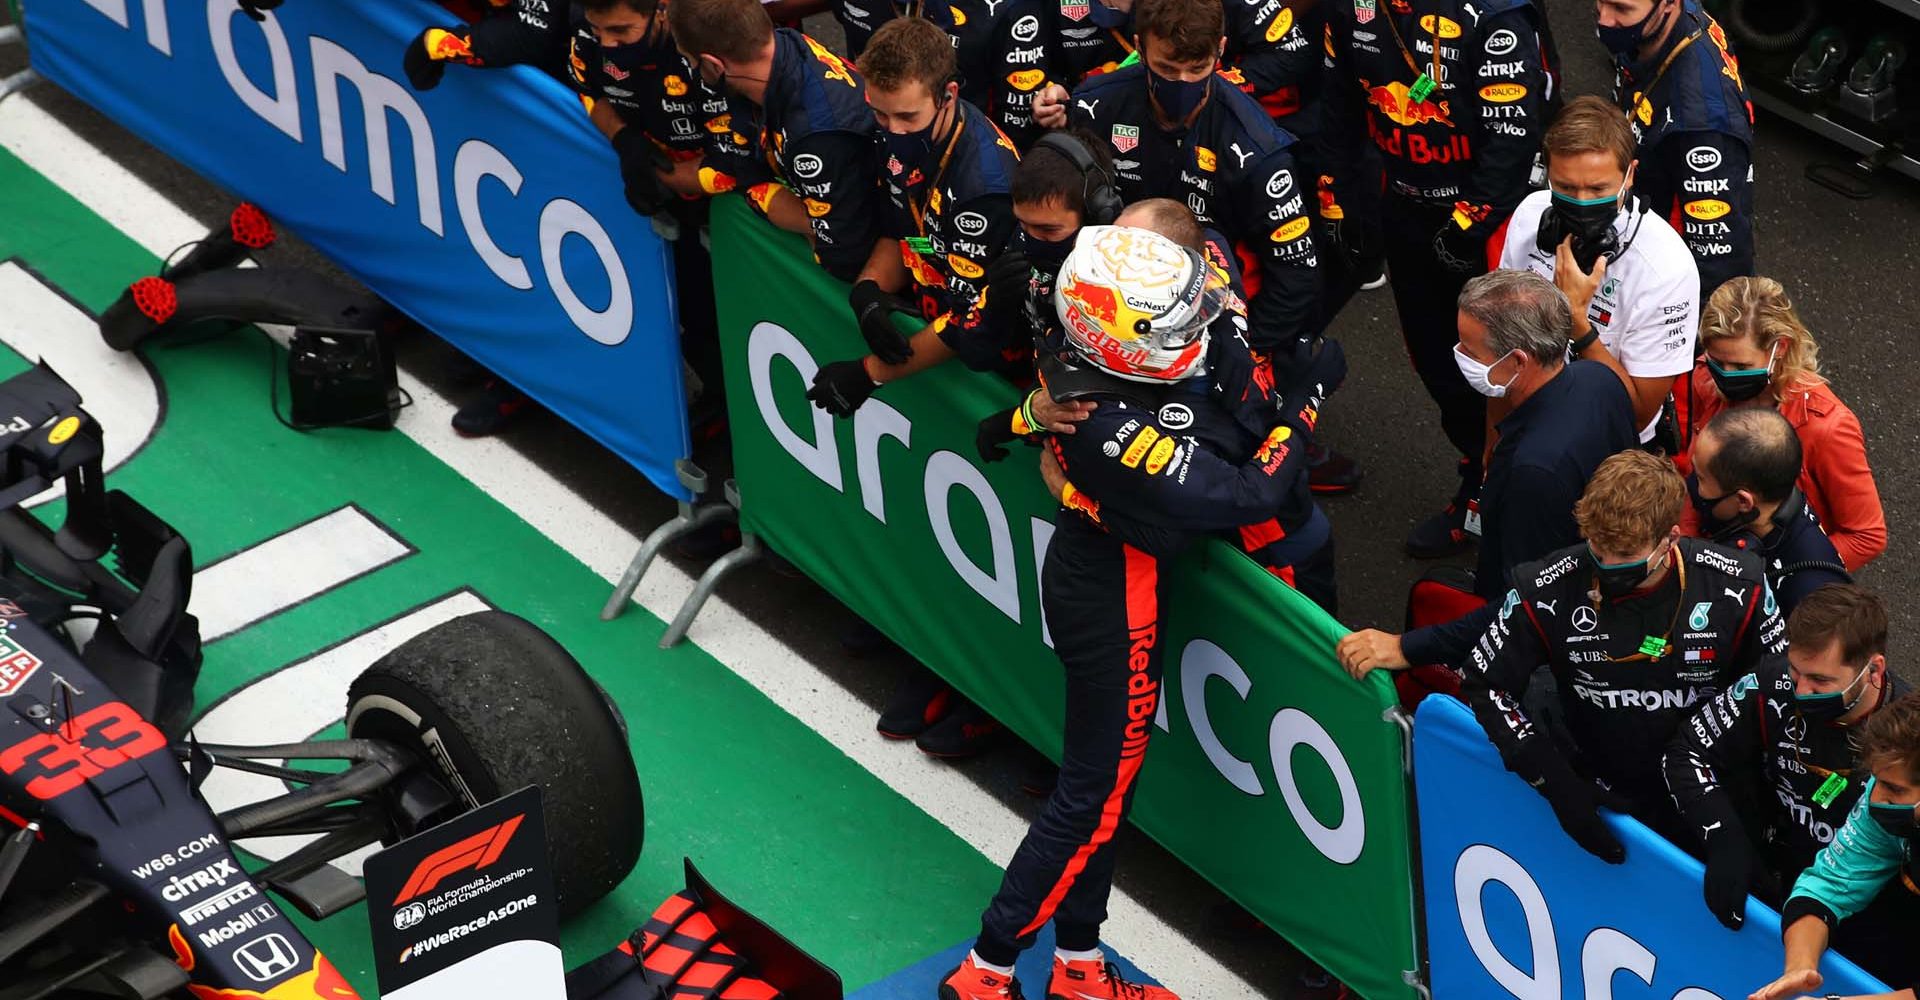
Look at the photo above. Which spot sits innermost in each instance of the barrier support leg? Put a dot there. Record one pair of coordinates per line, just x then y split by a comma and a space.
703, 588
10, 85
692, 517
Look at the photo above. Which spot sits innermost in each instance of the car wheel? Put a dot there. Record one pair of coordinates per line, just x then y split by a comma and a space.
495, 704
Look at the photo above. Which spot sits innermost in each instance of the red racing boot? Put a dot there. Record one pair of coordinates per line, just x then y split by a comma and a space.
971, 982
1097, 980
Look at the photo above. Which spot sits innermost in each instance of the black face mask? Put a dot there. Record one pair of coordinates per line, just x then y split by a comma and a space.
1703, 505
1739, 385
1048, 255
1588, 221
1897, 820
1620, 579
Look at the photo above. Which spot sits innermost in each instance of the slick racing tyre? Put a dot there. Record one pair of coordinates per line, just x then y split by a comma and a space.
495, 704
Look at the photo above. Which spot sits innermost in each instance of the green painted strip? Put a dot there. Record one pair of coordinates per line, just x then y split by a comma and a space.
771, 811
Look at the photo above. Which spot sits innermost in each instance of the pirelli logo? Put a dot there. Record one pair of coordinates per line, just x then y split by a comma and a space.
1137, 448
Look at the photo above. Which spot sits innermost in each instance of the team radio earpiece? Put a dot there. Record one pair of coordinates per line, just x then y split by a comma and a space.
1102, 200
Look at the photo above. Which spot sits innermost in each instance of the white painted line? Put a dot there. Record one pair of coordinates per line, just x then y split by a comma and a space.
299, 700
738, 642
116, 388
289, 568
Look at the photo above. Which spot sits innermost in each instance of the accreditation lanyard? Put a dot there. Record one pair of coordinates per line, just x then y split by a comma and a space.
1661, 73
933, 184
1425, 80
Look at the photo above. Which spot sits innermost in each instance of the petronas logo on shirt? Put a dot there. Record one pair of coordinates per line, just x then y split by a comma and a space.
1698, 620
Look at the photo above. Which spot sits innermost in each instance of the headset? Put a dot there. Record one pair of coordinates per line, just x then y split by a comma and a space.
1101, 199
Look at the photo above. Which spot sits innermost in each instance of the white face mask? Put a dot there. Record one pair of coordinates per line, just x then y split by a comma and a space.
1476, 373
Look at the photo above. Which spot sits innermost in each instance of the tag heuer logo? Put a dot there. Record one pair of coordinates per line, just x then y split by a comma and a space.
1074, 10
1363, 11
1126, 137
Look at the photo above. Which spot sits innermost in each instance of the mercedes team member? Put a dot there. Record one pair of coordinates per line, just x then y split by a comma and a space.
1786, 730
1872, 858
1627, 274
798, 134
1680, 85
509, 33
1138, 310
1637, 625
1743, 488
949, 175
1455, 94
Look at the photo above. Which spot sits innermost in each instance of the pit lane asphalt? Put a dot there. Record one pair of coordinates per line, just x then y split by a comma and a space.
1850, 265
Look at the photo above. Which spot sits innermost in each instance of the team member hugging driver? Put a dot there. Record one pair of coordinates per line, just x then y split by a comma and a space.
1139, 312
1637, 626
1872, 855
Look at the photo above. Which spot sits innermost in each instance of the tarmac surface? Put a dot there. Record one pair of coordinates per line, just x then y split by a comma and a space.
1851, 265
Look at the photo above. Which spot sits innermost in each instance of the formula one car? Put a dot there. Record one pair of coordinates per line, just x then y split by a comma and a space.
116, 878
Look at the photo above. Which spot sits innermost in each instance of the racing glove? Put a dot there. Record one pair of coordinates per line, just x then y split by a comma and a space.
1008, 279
257, 9
873, 307
1731, 874
1461, 251
995, 432
427, 56
1576, 801
640, 164
839, 387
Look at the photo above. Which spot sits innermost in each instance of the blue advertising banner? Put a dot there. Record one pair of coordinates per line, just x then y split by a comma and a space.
1516, 908
489, 209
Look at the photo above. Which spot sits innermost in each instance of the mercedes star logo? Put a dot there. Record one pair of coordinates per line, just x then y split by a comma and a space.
1584, 618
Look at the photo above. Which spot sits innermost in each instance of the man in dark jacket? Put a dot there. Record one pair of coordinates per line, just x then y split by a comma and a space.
1746, 466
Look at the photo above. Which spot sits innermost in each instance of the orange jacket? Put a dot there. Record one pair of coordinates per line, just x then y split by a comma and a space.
1834, 473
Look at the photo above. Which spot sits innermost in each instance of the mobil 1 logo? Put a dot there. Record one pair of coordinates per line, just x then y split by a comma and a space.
457, 891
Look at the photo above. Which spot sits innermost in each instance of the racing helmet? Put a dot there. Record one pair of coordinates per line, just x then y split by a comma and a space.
1137, 305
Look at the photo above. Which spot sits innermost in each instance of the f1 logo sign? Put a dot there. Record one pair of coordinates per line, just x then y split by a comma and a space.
475, 852
266, 958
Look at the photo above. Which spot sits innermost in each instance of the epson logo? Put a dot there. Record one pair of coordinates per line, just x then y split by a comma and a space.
1703, 159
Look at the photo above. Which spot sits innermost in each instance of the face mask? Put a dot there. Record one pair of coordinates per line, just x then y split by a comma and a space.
1895, 818
628, 59
1048, 255
1740, 385
1828, 706
915, 148
1178, 99
1104, 16
1476, 373
1704, 505
1588, 220
1624, 40
1620, 579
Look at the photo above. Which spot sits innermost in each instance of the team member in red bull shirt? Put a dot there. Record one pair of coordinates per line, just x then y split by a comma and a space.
949, 175
1455, 95
1680, 86
797, 135
1140, 311
512, 33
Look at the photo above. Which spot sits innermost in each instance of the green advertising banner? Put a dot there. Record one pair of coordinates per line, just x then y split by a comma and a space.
1274, 775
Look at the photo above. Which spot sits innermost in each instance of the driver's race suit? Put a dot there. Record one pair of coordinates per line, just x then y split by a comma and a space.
1234, 169
1628, 671
815, 137
1456, 163
1689, 109
1102, 605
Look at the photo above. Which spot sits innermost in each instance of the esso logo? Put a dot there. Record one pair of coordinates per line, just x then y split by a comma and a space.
1502, 42
1176, 416
1703, 158
409, 915
970, 223
807, 165
1026, 29
1279, 184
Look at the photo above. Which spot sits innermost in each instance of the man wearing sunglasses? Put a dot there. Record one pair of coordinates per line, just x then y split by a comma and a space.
1637, 625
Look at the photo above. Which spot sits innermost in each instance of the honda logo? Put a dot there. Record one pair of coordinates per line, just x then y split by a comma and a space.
266, 958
